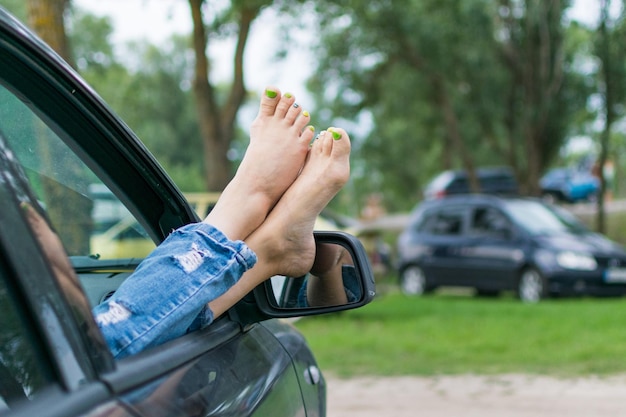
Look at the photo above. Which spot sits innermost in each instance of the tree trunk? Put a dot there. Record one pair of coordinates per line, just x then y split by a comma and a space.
609, 116
69, 212
534, 58
45, 17
217, 165
452, 131
217, 126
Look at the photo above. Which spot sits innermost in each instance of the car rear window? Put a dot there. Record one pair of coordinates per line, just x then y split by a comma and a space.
447, 221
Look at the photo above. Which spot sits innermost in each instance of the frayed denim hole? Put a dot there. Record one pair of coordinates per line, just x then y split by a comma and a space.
191, 260
116, 313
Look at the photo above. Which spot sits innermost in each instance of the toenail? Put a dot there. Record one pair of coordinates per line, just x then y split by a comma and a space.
336, 135
305, 113
311, 128
288, 95
296, 105
271, 93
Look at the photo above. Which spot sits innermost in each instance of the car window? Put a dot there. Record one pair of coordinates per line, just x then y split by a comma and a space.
458, 185
488, 221
88, 217
540, 219
442, 221
492, 181
23, 369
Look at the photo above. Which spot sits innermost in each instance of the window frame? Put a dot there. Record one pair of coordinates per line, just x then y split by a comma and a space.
53, 91
436, 213
45, 314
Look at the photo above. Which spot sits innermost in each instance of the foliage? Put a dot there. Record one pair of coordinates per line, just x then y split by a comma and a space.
452, 333
421, 85
16, 7
152, 94
448, 85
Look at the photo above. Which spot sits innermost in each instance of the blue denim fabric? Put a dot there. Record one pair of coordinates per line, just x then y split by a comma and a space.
169, 290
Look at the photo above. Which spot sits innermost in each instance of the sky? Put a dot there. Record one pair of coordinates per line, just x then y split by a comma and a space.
157, 20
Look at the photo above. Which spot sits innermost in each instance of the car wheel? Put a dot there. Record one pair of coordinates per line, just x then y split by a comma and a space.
532, 286
413, 281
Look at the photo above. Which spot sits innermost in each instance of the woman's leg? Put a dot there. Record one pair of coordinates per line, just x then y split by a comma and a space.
199, 262
284, 243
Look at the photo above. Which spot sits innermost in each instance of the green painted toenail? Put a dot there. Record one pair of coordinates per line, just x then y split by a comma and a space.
288, 95
336, 135
271, 93
311, 128
305, 113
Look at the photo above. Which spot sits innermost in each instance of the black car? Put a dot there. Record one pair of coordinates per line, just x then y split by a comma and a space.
495, 244
59, 142
492, 180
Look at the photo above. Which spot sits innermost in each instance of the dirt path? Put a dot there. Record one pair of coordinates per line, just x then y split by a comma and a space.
477, 396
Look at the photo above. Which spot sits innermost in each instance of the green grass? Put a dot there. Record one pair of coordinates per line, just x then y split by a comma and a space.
453, 334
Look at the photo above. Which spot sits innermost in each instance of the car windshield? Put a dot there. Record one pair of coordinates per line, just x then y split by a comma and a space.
540, 219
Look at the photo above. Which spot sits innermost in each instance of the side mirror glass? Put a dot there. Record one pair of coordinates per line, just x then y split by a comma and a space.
340, 278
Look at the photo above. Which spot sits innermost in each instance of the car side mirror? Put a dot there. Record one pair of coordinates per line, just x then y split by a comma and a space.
341, 278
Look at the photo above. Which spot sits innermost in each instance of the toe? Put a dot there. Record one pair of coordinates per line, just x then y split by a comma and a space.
340, 141
307, 134
270, 99
292, 114
302, 120
323, 143
285, 103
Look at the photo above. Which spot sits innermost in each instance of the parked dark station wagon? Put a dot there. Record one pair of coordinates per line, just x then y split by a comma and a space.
58, 142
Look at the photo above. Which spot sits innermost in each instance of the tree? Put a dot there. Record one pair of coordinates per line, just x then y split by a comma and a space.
67, 208
533, 53
46, 18
150, 88
610, 51
448, 84
217, 120
160, 106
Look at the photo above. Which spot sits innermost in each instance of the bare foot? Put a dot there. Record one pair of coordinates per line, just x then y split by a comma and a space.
279, 142
287, 233
284, 243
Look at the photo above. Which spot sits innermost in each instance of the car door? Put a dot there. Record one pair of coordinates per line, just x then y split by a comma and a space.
492, 253
219, 371
68, 144
442, 232
50, 351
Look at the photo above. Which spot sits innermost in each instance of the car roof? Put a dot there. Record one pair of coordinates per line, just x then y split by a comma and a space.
475, 198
